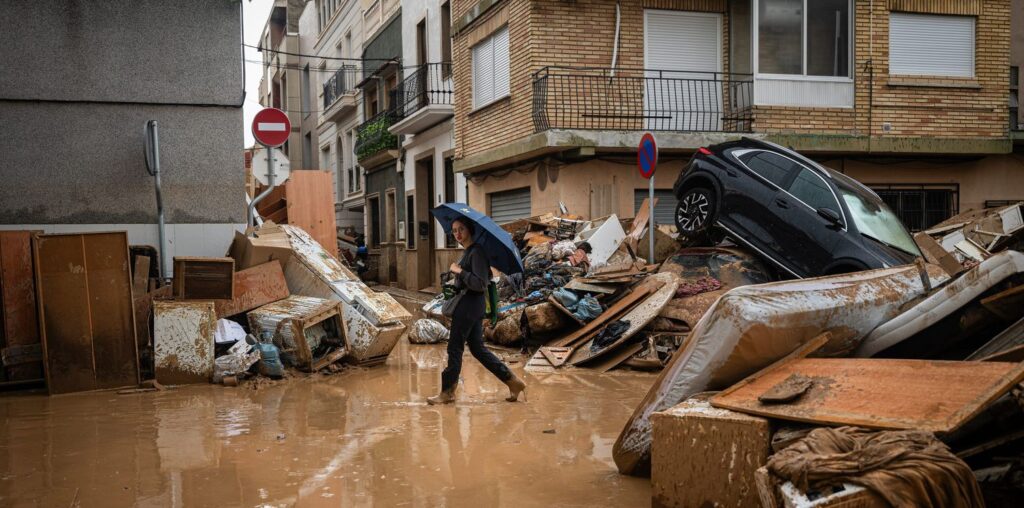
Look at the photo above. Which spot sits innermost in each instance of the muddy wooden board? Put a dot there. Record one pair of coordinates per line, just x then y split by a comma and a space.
19, 323
183, 341
663, 288
84, 287
255, 287
937, 396
563, 310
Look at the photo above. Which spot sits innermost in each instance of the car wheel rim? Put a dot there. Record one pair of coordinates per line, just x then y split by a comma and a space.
693, 212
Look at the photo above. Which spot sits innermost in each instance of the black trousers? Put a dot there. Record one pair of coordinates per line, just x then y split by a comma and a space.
469, 331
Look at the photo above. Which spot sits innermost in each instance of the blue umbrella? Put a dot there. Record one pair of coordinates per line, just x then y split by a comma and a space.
496, 242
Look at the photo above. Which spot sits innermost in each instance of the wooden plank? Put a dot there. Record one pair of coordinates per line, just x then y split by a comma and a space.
1013, 354
140, 277
1009, 338
636, 229
567, 312
115, 355
935, 254
607, 316
310, 197
937, 396
579, 285
1008, 304
255, 287
85, 309
19, 319
611, 361
204, 278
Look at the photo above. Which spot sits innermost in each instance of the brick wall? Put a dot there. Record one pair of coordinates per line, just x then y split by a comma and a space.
913, 107
549, 33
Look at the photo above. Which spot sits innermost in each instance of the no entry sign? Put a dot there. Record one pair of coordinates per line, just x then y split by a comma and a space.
271, 127
647, 155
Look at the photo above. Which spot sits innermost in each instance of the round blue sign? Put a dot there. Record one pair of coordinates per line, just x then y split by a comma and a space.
647, 155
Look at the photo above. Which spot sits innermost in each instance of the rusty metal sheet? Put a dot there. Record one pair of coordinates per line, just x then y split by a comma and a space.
183, 341
85, 301
19, 319
255, 287
938, 396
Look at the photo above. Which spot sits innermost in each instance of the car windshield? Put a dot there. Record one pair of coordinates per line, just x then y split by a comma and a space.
877, 221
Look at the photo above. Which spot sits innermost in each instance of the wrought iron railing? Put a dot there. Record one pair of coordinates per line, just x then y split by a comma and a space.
427, 84
342, 82
641, 99
372, 136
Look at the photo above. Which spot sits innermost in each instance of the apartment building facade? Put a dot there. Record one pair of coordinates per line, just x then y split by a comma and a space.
281, 83
331, 33
423, 121
910, 97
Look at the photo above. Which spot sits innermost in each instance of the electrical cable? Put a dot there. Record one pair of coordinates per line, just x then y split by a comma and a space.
396, 59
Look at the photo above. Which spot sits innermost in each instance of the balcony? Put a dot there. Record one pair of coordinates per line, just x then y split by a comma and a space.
424, 99
375, 144
340, 94
584, 98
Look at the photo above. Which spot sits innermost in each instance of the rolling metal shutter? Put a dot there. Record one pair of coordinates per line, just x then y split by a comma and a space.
931, 45
664, 211
682, 41
510, 205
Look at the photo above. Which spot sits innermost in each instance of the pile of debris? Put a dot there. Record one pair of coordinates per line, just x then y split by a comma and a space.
589, 299
889, 387
95, 312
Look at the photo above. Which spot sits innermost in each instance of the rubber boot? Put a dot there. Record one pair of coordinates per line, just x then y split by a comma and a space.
445, 397
515, 387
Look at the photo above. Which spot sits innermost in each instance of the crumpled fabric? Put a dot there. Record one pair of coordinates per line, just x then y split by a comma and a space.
609, 335
907, 468
587, 309
562, 249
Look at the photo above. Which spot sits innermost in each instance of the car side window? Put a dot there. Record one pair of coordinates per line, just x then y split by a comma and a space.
809, 188
770, 165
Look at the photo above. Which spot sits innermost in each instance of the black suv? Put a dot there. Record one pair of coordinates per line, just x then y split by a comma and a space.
805, 218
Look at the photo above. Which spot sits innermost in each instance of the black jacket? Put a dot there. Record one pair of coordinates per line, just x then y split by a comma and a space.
475, 276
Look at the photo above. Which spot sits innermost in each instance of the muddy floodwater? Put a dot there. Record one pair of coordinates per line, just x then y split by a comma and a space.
364, 437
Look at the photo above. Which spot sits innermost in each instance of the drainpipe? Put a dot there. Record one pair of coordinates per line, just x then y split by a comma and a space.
615, 47
152, 155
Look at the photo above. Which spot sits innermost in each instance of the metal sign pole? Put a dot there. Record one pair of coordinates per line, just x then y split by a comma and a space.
650, 220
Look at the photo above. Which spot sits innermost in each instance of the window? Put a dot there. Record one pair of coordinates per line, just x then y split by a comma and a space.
446, 39
804, 37
931, 45
305, 90
490, 69
307, 151
391, 216
920, 207
810, 188
325, 156
770, 165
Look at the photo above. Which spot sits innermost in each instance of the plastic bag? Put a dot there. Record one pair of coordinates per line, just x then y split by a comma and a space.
427, 331
238, 359
566, 298
228, 331
588, 309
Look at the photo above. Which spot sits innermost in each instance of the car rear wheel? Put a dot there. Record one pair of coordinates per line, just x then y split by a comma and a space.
696, 214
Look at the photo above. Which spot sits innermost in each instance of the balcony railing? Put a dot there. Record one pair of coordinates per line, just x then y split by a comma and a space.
343, 81
641, 99
373, 137
429, 84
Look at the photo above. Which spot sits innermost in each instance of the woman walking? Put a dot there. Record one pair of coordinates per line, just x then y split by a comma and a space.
472, 274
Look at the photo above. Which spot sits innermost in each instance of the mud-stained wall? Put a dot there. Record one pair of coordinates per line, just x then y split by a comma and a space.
81, 79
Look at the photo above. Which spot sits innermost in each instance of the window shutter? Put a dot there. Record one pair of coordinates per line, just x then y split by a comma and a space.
508, 206
931, 45
483, 72
501, 63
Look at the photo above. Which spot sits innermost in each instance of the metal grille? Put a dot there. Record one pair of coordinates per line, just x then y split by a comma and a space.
919, 206
340, 83
428, 84
641, 99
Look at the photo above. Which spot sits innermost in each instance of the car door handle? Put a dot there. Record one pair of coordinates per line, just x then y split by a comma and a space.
781, 203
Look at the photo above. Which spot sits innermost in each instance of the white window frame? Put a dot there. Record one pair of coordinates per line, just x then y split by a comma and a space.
974, 45
496, 93
756, 50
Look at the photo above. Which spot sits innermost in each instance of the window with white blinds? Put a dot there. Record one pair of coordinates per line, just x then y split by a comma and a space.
931, 45
490, 68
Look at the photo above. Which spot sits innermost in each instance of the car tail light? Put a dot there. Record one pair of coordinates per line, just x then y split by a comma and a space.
703, 151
